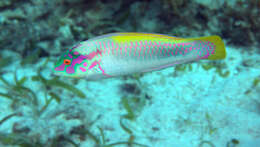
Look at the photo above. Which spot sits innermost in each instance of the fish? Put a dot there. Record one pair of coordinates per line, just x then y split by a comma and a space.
118, 54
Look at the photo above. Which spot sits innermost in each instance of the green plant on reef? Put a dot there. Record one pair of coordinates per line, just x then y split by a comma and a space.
133, 106
20, 95
183, 67
218, 68
101, 142
211, 129
255, 83
23, 141
5, 61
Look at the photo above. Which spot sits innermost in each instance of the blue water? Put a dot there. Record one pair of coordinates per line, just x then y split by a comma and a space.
199, 104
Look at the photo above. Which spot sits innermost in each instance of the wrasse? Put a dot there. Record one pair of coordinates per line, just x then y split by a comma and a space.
119, 54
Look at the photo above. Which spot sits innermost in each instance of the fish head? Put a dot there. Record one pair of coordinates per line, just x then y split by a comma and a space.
74, 64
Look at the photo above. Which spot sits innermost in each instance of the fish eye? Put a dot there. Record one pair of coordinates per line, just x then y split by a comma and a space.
66, 62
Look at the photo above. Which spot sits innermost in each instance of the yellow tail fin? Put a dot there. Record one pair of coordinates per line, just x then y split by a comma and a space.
220, 52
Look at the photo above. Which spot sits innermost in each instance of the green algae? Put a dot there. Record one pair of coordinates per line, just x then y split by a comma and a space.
54, 82
8, 117
218, 68
133, 106
18, 92
256, 82
130, 113
211, 129
5, 61
130, 142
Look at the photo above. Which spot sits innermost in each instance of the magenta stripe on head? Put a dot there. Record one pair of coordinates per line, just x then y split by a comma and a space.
78, 60
70, 56
60, 68
76, 53
82, 69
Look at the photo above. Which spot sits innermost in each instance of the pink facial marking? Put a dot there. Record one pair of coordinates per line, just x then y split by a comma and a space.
85, 64
82, 69
78, 60
76, 53
60, 68
70, 56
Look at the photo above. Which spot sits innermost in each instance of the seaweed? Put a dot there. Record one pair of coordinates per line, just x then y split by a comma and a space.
5, 61
100, 140
218, 68
256, 82
8, 117
56, 142
130, 113
55, 82
133, 106
211, 129
130, 142
18, 92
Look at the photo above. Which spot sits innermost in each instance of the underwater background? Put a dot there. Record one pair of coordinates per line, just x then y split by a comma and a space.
200, 104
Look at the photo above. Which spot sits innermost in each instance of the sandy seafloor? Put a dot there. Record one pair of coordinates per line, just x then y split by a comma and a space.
193, 107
